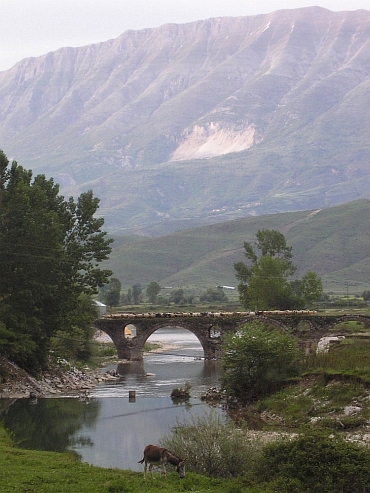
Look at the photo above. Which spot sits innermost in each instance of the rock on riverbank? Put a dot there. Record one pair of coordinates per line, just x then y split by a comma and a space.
61, 380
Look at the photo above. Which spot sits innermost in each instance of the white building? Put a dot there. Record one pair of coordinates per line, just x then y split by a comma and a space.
102, 308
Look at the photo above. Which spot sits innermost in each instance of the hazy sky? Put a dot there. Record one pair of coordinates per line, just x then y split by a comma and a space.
35, 27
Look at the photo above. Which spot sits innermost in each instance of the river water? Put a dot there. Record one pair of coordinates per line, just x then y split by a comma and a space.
109, 429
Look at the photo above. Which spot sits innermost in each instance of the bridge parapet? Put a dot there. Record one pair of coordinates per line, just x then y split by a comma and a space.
220, 314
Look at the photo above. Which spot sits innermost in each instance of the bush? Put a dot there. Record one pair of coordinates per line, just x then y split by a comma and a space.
182, 392
213, 447
257, 362
317, 462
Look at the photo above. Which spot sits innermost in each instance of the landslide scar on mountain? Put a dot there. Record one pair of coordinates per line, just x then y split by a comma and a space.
213, 140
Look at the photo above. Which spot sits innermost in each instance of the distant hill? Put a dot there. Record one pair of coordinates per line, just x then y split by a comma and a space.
334, 242
190, 124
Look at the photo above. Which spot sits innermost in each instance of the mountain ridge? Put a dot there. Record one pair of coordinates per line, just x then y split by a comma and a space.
204, 121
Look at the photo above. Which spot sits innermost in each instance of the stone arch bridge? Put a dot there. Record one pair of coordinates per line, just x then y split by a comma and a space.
210, 327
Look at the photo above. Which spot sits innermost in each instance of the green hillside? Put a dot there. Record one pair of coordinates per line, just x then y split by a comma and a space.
334, 242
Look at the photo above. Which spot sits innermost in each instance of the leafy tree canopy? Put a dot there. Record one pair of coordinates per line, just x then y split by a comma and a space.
212, 294
264, 279
136, 292
152, 291
113, 293
257, 361
311, 287
366, 295
50, 254
177, 296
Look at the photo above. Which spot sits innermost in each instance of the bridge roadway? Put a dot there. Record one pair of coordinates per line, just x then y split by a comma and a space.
210, 327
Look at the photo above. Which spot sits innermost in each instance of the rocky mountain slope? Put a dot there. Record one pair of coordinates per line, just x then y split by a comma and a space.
206, 121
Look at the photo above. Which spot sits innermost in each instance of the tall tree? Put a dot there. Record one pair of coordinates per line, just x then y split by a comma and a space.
177, 296
50, 250
263, 282
311, 287
152, 291
113, 293
136, 292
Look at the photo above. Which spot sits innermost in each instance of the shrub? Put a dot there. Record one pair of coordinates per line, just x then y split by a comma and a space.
318, 462
181, 393
257, 362
213, 447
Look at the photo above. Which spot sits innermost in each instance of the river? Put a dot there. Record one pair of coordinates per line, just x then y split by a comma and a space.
109, 429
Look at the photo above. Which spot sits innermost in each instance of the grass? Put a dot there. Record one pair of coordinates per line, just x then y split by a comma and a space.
43, 472
350, 358
331, 382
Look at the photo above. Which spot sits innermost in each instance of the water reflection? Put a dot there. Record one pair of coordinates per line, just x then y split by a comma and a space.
48, 424
153, 378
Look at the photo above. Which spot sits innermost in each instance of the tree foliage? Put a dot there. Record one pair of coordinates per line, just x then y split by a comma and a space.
264, 280
75, 343
50, 254
177, 296
213, 446
113, 294
136, 293
257, 361
311, 287
152, 291
212, 294
366, 295
316, 461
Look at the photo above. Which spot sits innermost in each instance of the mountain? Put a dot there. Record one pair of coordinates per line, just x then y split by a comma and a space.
334, 242
202, 122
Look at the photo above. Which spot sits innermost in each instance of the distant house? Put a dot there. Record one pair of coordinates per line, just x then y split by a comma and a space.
101, 307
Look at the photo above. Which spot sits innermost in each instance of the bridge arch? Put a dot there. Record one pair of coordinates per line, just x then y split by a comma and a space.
203, 336
347, 318
265, 320
298, 330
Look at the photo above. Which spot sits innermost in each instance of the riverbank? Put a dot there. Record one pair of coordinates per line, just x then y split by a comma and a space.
62, 379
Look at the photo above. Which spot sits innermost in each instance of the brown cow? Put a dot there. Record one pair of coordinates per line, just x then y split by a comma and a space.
159, 456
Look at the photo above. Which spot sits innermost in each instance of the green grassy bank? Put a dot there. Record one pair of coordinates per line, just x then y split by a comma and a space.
37, 471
